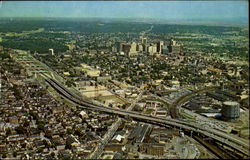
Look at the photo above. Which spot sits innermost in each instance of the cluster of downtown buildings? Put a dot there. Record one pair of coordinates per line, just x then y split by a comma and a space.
109, 70
161, 47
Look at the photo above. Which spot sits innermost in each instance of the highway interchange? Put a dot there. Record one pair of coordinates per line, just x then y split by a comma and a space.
236, 143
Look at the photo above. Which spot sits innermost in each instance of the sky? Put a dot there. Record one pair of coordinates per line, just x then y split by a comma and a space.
127, 9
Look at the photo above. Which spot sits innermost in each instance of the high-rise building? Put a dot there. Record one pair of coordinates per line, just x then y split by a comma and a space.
51, 51
152, 49
126, 48
140, 47
118, 46
133, 50
172, 42
174, 47
144, 41
114, 49
133, 47
160, 45
165, 49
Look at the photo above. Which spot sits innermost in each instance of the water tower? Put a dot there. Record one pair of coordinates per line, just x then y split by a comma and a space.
230, 111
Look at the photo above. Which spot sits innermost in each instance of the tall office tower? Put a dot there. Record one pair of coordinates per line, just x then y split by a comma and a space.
126, 48
145, 47
152, 49
132, 50
114, 49
172, 42
160, 45
174, 47
118, 46
140, 47
165, 49
144, 41
51, 51
133, 47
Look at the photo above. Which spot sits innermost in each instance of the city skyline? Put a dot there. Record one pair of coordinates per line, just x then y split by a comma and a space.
124, 80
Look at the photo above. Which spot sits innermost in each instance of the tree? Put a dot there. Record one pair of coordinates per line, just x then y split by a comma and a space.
34, 115
26, 123
78, 132
8, 131
69, 131
69, 83
17, 92
20, 130
23, 145
4, 55
53, 154
40, 125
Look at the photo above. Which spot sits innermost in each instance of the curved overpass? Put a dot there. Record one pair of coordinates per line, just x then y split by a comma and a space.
173, 107
234, 142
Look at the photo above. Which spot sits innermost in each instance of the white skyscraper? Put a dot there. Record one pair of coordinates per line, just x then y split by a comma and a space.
51, 51
152, 50
132, 50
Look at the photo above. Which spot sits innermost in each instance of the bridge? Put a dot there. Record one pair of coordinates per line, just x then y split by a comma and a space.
174, 106
236, 143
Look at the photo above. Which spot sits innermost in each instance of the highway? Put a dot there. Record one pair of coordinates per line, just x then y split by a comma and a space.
132, 105
234, 142
174, 106
110, 133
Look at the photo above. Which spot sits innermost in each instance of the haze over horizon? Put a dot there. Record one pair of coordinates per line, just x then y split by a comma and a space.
172, 11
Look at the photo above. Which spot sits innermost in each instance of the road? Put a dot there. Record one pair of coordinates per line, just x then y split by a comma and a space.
234, 142
174, 106
131, 107
110, 133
